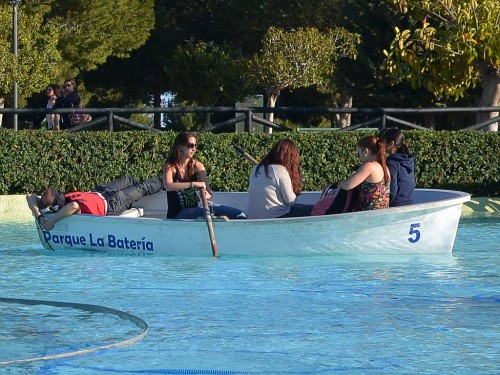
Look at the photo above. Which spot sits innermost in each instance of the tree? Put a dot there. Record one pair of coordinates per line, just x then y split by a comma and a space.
374, 20
145, 69
455, 45
207, 74
90, 31
228, 25
299, 58
60, 39
38, 58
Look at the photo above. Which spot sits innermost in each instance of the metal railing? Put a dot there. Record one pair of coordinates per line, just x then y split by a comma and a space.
378, 117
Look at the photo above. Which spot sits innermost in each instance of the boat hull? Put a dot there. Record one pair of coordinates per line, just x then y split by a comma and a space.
427, 227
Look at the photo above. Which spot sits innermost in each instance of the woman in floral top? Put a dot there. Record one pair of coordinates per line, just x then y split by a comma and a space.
372, 179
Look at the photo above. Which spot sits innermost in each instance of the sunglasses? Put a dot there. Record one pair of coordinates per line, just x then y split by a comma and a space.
67, 85
191, 145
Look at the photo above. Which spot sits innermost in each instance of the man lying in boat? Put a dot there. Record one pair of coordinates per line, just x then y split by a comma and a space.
107, 199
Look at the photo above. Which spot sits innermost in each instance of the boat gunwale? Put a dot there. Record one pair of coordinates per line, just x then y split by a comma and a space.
457, 198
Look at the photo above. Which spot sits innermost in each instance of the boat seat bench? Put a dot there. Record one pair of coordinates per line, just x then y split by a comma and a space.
133, 212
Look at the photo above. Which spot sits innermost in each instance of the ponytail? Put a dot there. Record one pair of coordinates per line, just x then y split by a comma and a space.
394, 135
381, 158
377, 148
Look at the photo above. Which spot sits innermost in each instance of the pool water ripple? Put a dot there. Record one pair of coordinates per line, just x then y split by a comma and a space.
313, 315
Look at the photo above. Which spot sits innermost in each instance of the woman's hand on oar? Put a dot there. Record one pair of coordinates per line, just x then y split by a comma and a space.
210, 225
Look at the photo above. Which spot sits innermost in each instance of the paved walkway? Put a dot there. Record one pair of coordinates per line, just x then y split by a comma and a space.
482, 205
15, 206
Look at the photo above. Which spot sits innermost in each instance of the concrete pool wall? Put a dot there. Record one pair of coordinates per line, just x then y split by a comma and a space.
15, 206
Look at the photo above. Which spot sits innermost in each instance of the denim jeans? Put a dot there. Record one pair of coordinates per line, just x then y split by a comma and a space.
218, 210
299, 209
121, 193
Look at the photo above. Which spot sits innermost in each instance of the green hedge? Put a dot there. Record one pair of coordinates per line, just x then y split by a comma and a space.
33, 160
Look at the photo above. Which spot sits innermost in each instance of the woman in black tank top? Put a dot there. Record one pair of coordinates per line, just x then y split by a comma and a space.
183, 174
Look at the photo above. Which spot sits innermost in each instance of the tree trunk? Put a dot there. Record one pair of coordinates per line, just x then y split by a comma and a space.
341, 120
157, 115
346, 102
2, 103
490, 97
430, 121
272, 95
207, 119
334, 117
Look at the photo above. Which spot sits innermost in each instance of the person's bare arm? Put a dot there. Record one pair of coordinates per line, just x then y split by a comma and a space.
170, 185
34, 204
203, 183
68, 210
357, 178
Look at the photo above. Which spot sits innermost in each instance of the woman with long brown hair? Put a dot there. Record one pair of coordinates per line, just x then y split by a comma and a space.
182, 174
275, 184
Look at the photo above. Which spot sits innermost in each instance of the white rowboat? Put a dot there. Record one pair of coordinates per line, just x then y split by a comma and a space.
427, 227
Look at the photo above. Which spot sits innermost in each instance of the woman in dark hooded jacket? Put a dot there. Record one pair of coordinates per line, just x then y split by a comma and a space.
401, 166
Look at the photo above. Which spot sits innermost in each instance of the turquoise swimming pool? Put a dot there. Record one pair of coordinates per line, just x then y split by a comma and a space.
313, 315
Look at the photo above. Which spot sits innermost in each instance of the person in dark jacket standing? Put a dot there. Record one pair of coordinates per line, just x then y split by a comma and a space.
70, 99
401, 166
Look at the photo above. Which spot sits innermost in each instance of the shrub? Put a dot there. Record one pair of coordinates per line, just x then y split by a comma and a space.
32, 160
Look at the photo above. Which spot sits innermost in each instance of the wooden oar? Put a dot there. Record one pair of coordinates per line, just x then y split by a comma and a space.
210, 225
245, 154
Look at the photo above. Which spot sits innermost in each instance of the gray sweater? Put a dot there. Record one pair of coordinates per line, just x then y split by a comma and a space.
270, 197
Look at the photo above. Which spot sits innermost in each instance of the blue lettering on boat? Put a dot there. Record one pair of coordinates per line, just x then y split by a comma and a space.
127, 244
97, 243
113, 242
65, 239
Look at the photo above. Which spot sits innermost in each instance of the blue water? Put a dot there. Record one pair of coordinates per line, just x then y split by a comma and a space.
314, 315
